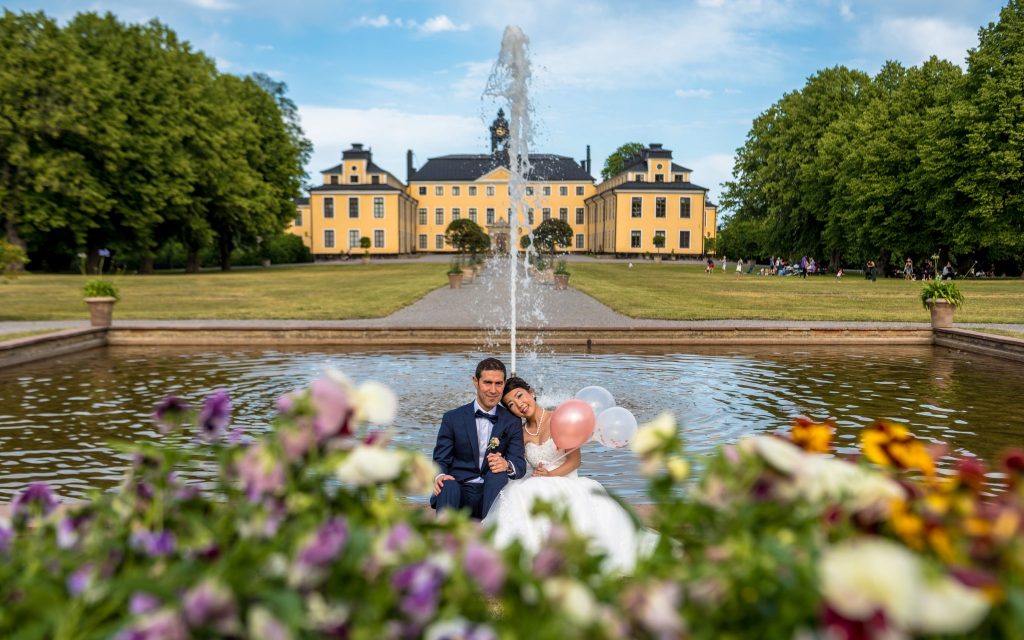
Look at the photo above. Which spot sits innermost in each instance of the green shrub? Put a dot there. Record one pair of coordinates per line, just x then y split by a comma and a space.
942, 290
561, 269
101, 289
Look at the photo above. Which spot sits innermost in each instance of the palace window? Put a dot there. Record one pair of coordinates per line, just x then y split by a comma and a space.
579, 191
660, 233
545, 214
640, 177
378, 238
353, 207
563, 190
456, 213
546, 191
423, 216
472, 190
298, 219
328, 238
472, 214
328, 207
439, 241
529, 191
375, 179
439, 190
439, 215
423, 191
529, 217
353, 238
456, 191
563, 214
677, 177
490, 191
684, 239
423, 241
659, 177
378, 207
353, 179
634, 240
334, 179
659, 207
684, 207
579, 240
579, 215
490, 215
638, 207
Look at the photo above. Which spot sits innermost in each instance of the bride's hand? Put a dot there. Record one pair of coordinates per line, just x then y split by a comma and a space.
540, 471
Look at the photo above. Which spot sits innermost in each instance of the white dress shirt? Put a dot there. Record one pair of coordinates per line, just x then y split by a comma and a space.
483, 435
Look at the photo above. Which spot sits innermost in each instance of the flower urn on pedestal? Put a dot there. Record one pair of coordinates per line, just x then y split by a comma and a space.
941, 298
100, 295
942, 314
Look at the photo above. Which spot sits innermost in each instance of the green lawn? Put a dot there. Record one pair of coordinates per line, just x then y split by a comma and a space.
4, 337
299, 293
684, 292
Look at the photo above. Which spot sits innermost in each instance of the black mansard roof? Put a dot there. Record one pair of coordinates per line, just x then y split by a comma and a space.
341, 187
659, 186
370, 168
301, 201
641, 165
544, 166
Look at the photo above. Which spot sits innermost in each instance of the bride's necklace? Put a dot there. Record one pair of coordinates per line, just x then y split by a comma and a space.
539, 420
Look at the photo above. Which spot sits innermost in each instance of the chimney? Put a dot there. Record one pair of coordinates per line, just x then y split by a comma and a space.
588, 159
409, 170
357, 146
655, 145
583, 165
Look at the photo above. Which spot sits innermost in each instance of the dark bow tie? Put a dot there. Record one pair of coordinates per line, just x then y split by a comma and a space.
493, 417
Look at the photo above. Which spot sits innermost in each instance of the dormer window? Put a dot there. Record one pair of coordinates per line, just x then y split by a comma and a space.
353, 179
659, 177
678, 177
375, 179
334, 179
640, 177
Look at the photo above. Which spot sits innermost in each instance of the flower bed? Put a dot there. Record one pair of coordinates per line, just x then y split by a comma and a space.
304, 532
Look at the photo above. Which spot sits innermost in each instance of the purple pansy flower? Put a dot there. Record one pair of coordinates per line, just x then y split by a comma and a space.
398, 538
69, 530
326, 544
332, 407
81, 578
37, 493
165, 624
484, 565
6, 535
154, 544
169, 413
548, 561
215, 416
420, 584
261, 473
142, 603
210, 604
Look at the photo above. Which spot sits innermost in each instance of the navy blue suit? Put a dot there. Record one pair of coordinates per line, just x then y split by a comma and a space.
457, 454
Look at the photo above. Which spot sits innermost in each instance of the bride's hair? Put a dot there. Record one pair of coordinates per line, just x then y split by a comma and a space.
513, 383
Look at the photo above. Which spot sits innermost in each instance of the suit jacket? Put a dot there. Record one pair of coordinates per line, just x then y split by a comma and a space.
457, 451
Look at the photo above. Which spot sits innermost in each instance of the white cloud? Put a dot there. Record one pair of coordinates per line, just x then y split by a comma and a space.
213, 5
441, 23
694, 93
389, 132
913, 40
846, 11
711, 171
377, 22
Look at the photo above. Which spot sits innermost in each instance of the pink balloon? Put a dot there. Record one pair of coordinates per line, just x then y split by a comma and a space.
572, 424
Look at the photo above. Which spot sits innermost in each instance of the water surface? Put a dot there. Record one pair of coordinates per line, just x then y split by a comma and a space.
57, 416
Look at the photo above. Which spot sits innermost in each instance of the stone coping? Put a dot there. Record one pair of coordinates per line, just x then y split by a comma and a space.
49, 345
1006, 347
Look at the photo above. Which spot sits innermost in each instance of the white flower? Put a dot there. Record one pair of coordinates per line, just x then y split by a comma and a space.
422, 472
781, 455
370, 464
573, 598
340, 379
654, 434
376, 403
865, 575
458, 628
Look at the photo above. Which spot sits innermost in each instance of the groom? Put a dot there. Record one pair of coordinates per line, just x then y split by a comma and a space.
479, 447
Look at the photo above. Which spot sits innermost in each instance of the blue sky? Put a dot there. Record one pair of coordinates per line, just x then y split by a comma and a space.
690, 74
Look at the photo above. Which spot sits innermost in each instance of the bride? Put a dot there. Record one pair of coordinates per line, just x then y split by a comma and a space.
592, 512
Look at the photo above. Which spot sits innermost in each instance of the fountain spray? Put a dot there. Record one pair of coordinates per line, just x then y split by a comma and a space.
509, 81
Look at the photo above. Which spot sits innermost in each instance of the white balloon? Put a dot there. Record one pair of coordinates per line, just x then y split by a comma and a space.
615, 427
598, 398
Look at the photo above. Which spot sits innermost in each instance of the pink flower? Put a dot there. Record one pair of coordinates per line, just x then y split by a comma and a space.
215, 416
333, 410
211, 605
484, 565
261, 473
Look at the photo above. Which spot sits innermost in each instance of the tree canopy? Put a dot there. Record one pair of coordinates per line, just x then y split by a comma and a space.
121, 136
912, 162
616, 162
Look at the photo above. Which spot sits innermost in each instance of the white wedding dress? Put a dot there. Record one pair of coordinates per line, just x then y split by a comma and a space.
591, 511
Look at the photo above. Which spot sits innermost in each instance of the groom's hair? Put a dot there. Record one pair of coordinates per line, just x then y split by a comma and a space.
491, 364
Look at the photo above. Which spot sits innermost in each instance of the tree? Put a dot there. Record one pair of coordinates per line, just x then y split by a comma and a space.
465, 236
616, 162
552, 233
659, 242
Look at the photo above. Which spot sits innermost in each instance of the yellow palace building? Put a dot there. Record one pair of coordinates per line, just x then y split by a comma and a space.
651, 196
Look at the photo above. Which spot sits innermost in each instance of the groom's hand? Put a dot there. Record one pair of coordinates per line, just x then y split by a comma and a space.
497, 463
439, 482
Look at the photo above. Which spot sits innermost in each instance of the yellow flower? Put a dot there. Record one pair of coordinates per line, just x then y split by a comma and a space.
654, 435
813, 437
678, 468
892, 445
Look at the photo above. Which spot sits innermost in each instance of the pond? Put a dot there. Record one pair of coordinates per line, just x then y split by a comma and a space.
57, 417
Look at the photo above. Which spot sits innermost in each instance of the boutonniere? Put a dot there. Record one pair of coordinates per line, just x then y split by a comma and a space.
492, 445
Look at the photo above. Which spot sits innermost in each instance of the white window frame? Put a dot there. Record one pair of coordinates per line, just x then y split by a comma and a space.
689, 238
490, 190
328, 238
638, 235
423, 241
378, 206
439, 215
439, 190
353, 238
438, 241
383, 239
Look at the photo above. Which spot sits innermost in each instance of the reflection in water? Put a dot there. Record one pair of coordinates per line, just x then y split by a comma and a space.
57, 417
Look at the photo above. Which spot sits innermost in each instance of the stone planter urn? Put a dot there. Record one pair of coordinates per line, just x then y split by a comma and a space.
561, 281
455, 280
942, 314
366, 259
467, 274
101, 310
657, 259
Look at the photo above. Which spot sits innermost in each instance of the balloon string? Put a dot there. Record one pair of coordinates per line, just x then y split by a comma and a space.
562, 457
